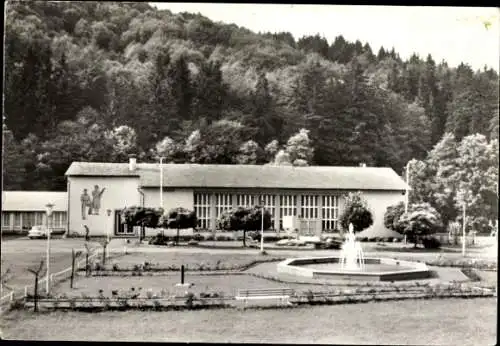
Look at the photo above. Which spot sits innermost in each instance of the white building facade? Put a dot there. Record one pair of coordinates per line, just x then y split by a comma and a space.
97, 192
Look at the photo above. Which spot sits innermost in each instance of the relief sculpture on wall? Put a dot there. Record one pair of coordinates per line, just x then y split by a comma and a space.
91, 205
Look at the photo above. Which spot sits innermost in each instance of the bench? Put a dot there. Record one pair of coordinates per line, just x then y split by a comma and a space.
281, 294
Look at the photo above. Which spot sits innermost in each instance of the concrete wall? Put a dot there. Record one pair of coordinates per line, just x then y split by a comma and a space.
172, 198
378, 201
119, 192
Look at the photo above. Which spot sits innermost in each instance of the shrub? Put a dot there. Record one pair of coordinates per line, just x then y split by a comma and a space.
115, 267
421, 220
431, 243
197, 237
192, 242
137, 267
209, 237
396, 240
189, 299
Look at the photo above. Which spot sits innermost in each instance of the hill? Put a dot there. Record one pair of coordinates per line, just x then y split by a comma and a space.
97, 81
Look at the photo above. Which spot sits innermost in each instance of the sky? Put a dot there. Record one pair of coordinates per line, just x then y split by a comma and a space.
455, 34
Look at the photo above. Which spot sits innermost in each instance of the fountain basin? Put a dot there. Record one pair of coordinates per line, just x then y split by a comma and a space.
376, 269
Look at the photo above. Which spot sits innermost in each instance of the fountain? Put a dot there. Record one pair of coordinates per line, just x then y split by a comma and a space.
353, 265
351, 257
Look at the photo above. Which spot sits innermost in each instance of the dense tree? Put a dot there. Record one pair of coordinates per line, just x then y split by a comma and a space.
211, 87
421, 220
244, 219
179, 218
357, 212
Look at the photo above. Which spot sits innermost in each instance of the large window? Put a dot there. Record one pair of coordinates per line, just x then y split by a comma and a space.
223, 202
309, 208
58, 219
330, 212
5, 219
122, 228
269, 203
39, 218
28, 220
246, 200
17, 219
288, 207
202, 209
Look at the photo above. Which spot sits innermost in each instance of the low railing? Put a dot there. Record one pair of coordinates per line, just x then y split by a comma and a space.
54, 278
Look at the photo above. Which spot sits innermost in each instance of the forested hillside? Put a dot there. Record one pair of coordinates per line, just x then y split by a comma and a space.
97, 81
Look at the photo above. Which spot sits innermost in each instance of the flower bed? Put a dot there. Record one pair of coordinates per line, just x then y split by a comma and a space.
463, 263
147, 267
161, 301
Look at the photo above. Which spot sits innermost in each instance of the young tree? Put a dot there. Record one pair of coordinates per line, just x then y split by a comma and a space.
5, 276
179, 218
74, 256
356, 211
244, 219
37, 272
143, 217
104, 244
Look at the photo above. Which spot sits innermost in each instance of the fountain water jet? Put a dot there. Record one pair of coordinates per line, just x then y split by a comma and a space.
351, 257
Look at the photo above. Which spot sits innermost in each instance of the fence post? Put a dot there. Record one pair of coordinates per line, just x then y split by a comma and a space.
11, 296
25, 291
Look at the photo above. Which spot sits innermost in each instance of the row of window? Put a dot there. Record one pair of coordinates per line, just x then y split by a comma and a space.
287, 206
24, 220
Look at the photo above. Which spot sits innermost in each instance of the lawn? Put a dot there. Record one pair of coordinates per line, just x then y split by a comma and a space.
19, 255
179, 258
417, 322
202, 283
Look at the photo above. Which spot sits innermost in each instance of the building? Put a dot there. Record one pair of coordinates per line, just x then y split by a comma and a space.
23, 209
98, 191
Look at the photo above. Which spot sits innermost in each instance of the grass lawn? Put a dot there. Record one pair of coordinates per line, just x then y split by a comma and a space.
179, 258
202, 283
19, 255
417, 322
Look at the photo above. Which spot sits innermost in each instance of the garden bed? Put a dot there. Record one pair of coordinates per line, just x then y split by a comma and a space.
191, 301
146, 262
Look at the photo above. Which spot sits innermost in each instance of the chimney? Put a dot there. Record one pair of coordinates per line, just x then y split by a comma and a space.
132, 164
362, 164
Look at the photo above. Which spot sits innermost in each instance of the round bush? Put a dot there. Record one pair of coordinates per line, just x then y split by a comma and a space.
197, 237
431, 243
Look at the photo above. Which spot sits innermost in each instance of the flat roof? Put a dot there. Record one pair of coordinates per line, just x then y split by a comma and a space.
33, 200
248, 176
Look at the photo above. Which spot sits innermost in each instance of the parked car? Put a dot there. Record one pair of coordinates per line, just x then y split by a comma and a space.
39, 231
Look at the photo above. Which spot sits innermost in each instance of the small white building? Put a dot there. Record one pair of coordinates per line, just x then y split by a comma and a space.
23, 209
313, 193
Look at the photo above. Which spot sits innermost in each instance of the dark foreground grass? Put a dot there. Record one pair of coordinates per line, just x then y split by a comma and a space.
416, 322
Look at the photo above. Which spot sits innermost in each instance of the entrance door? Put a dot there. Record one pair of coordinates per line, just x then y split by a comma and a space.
122, 229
